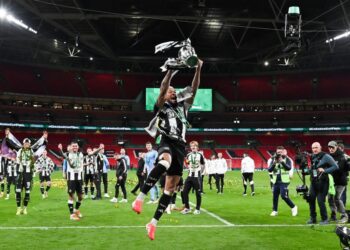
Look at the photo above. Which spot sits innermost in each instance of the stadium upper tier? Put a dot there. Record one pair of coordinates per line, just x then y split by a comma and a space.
54, 82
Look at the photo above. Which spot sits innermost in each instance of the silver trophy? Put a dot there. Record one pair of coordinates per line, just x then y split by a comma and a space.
187, 57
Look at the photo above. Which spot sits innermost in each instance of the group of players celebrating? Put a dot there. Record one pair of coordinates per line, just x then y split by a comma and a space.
20, 161
169, 127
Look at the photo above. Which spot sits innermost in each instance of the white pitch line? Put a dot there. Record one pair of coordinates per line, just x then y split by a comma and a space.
162, 226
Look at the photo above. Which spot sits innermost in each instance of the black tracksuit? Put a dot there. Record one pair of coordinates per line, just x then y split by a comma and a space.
140, 175
121, 174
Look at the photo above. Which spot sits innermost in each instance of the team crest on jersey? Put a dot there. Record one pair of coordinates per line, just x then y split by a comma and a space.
170, 113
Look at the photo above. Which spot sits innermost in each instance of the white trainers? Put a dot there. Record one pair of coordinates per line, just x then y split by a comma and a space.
168, 209
43, 195
149, 202
197, 212
114, 200
92, 196
172, 206
156, 201
123, 201
295, 211
19, 211
106, 195
46, 194
274, 213
86, 196
1, 194
7, 197
186, 211
24, 211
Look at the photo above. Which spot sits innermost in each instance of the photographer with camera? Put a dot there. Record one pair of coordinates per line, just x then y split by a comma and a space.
340, 182
322, 164
279, 166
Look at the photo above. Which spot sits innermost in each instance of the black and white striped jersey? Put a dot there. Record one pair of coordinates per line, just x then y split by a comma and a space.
195, 161
172, 120
90, 164
75, 163
44, 165
25, 159
12, 168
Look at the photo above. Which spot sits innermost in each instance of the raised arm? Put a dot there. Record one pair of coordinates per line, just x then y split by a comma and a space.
196, 81
42, 141
164, 88
95, 152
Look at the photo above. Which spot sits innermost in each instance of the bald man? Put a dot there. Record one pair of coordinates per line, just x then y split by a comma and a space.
322, 164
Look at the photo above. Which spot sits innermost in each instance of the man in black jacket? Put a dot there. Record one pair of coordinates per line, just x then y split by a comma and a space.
322, 164
340, 182
140, 173
121, 174
341, 147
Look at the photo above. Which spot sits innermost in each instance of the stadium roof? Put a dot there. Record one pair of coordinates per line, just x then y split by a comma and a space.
231, 36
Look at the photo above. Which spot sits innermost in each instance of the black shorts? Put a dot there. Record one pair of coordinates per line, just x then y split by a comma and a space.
162, 181
11, 180
89, 178
177, 151
75, 186
247, 176
193, 182
24, 180
44, 178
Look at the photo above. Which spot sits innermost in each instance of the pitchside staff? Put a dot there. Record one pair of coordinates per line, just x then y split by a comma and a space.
44, 166
322, 164
221, 169
340, 182
195, 161
141, 172
102, 170
247, 170
121, 175
171, 122
280, 166
211, 170
347, 157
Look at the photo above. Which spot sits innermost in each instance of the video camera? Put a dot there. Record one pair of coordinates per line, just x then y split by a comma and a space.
301, 160
304, 191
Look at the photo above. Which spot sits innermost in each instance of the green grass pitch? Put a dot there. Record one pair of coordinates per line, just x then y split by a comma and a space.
115, 226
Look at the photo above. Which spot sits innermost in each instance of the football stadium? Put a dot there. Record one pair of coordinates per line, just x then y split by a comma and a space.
174, 124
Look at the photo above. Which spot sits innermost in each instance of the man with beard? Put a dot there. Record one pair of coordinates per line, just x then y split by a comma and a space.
171, 123
340, 182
